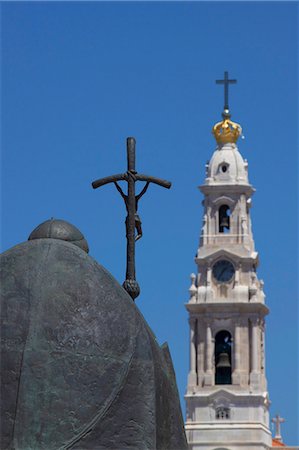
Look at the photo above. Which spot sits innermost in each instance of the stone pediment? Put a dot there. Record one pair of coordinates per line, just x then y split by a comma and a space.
222, 397
224, 199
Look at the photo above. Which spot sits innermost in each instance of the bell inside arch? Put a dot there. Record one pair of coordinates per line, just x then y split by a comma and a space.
224, 218
223, 369
223, 361
224, 222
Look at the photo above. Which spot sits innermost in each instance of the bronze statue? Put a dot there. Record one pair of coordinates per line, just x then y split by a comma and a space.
80, 367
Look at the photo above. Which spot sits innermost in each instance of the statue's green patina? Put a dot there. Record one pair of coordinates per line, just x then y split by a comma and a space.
80, 367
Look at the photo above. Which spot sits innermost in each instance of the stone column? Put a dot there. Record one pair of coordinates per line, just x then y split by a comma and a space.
263, 331
209, 275
254, 345
208, 381
262, 358
237, 355
200, 353
192, 379
204, 230
209, 292
255, 372
208, 228
237, 275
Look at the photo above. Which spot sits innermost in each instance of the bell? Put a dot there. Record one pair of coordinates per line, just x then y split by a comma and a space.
224, 222
223, 361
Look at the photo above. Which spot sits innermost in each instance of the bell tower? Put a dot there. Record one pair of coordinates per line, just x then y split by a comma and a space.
227, 399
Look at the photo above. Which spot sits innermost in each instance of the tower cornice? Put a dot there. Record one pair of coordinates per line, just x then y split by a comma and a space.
230, 394
254, 308
228, 188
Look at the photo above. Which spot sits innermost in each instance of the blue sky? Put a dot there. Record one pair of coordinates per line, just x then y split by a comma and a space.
78, 78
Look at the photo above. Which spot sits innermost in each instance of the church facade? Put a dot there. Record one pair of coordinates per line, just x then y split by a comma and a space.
227, 399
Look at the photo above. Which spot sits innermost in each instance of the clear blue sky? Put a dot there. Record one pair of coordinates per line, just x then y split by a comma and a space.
78, 78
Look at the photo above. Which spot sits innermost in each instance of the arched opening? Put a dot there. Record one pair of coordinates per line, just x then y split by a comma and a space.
222, 413
221, 448
223, 168
224, 219
223, 372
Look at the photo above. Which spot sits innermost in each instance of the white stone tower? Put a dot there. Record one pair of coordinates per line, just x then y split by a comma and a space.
227, 399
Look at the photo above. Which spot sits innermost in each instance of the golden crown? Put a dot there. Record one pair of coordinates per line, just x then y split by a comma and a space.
226, 131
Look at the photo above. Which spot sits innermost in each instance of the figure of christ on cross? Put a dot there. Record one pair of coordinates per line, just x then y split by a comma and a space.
137, 198
131, 201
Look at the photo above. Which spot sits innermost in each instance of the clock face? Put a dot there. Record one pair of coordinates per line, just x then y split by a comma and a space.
223, 271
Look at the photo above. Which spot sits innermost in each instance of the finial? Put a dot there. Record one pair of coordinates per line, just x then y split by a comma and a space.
192, 289
226, 131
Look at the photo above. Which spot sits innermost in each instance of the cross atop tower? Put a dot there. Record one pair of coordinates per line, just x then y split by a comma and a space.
278, 420
226, 81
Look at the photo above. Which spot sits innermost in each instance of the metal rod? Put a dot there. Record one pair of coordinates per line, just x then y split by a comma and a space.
130, 221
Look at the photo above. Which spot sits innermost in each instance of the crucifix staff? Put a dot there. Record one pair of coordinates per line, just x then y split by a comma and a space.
131, 202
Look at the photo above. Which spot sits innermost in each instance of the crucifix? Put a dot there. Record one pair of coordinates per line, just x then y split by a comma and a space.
278, 420
226, 81
131, 202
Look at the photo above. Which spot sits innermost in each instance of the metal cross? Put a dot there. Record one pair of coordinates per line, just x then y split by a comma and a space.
131, 201
278, 420
226, 81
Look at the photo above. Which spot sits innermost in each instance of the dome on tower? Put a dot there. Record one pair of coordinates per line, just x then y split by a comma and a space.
227, 166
